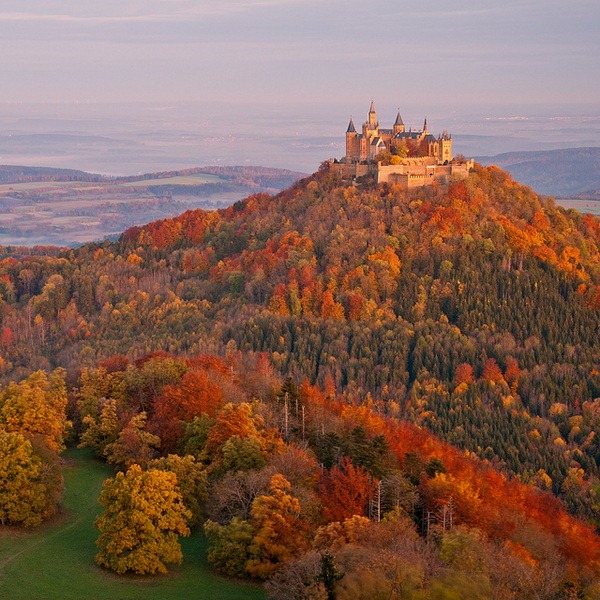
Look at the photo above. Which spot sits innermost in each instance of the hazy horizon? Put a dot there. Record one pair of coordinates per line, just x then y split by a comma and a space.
128, 86
127, 139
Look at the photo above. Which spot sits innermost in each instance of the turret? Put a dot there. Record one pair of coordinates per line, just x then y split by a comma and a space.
372, 116
446, 148
398, 125
352, 145
425, 126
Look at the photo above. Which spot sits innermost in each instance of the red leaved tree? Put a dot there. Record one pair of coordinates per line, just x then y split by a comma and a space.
179, 404
345, 491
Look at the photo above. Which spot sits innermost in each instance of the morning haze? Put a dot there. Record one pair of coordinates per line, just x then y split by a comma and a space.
167, 84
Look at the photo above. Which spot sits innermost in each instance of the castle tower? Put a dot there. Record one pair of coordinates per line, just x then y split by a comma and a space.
398, 125
352, 143
446, 148
373, 116
370, 131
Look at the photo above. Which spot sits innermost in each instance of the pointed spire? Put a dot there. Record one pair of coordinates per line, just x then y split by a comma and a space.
425, 125
398, 122
351, 128
372, 122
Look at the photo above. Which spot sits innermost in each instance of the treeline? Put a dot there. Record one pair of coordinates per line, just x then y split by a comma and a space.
260, 178
19, 174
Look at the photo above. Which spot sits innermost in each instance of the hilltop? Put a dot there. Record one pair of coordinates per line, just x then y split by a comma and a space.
21, 174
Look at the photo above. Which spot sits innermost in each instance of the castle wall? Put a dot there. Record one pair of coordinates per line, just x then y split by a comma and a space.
420, 172
414, 172
352, 170
364, 148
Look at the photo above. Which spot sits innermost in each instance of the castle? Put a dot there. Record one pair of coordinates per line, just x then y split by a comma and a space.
410, 158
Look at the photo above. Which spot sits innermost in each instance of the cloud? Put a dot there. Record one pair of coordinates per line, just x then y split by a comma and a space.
62, 18
157, 11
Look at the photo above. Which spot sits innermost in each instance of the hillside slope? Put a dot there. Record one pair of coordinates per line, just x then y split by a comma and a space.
470, 309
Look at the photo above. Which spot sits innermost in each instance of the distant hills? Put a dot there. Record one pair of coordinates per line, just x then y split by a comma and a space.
260, 178
41, 205
20, 174
567, 172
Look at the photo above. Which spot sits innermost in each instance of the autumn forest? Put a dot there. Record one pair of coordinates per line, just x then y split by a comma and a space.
351, 390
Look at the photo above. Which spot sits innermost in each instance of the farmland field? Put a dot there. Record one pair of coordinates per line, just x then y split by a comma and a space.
56, 561
196, 179
69, 212
28, 186
583, 206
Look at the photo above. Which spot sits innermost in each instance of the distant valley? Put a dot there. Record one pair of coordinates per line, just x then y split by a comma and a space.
44, 206
66, 207
561, 173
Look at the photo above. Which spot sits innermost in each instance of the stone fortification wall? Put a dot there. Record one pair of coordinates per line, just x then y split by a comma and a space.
412, 172
418, 172
353, 170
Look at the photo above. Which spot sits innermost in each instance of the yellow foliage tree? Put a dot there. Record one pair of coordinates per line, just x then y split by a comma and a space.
191, 479
37, 406
280, 532
144, 516
338, 533
24, 495
102, 431
95, 385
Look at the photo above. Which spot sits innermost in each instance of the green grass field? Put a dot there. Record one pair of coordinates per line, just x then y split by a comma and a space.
56, 561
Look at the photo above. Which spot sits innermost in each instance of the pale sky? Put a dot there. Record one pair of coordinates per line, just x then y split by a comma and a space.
457, 53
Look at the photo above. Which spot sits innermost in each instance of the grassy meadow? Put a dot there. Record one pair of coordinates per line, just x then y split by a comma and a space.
56, 561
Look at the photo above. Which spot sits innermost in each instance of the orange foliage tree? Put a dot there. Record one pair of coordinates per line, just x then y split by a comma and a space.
492, 372
236, 423
280, 532
345, 491
179, 404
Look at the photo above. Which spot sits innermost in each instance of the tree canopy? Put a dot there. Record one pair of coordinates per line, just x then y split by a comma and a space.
144, 515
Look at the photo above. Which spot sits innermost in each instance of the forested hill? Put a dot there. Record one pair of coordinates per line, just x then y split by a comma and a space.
20, 174
471, 309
